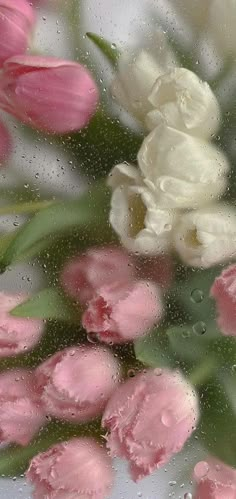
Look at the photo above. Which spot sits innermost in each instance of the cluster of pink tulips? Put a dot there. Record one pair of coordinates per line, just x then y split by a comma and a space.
148, 418
26, 81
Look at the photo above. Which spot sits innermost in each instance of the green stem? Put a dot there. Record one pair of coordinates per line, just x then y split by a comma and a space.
21, 208
201, 374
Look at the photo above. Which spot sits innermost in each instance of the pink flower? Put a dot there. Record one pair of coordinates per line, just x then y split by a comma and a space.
215, 480
150, 417
47, 93
16, 22
118, 314
224, 292
16, 334
76, 383
5, 143
21, 412
77, 469
85, 274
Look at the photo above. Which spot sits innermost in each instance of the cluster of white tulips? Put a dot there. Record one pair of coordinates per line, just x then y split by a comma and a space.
170, 201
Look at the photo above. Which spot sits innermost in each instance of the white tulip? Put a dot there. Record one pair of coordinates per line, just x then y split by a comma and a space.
206, 237
181, 100
137, 74
222, 24
141, 224
184, 171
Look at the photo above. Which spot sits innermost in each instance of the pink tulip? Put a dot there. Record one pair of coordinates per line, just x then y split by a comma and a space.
5, 143
150, 417
16, 22
85, 274
16, 334
118, 314
77, 469
21, 412
47, 93
224, 292
76, 383
214, 480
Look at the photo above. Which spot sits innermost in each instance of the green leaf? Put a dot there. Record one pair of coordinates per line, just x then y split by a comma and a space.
152, 350
185, 344
218, 423
90, 211
47, 304
108, 49
22, 208
193, 294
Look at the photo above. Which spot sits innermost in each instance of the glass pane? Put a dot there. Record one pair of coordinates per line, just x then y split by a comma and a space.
117, 249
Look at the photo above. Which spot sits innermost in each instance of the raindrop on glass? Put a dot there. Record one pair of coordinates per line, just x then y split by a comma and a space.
199, 328
197, 295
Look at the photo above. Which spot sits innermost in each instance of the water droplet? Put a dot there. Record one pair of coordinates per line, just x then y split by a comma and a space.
172, 483
199, 328
92, 338
201, 469
234, 369
113, 46
131, 373
186, 334
158, 371
188, 495
167, 418
197, 295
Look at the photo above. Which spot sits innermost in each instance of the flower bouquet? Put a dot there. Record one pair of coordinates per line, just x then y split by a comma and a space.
128, 349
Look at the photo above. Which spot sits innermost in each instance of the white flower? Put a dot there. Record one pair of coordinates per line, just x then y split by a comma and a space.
206, 237
142, 225
137, 73
184, 171
222, 24
183, 101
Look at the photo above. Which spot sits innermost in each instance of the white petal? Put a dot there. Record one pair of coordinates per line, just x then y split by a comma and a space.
183, 101
123, 174
174, 161
207, 237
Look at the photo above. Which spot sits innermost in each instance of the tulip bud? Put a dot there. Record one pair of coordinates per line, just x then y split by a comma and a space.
149, 418
76, 383
181, 100
86, 273
206, 237
5, 143
185, 171
118, 314
16, 334
224, 292
137, 74
21, 412
16, 22
79, 468
215, 480
143, 226
47, 93
222, 25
